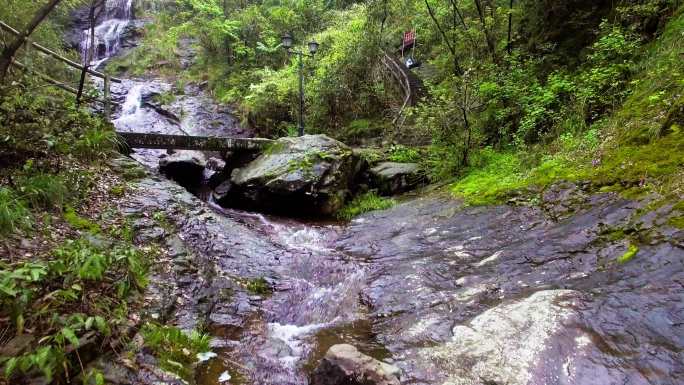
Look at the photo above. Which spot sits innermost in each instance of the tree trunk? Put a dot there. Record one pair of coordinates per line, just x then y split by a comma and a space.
457, 65
488, 36
10, 51
509, 46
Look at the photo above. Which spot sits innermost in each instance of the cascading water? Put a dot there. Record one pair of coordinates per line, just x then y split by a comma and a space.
107, 37
317, 290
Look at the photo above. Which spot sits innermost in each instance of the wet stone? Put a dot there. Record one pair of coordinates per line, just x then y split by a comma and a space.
344, 365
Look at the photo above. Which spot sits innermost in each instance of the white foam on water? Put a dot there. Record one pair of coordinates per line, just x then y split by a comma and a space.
294, 337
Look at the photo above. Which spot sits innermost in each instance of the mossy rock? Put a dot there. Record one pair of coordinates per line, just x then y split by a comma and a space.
311, 174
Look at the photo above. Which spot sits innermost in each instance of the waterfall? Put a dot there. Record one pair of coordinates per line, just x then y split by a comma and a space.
117, 16
133, 101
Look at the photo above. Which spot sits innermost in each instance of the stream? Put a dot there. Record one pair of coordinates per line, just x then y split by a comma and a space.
449, 294
315, 303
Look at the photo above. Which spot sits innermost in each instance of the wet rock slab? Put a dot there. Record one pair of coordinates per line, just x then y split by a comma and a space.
523, 295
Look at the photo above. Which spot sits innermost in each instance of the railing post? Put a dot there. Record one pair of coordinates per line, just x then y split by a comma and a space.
107, 97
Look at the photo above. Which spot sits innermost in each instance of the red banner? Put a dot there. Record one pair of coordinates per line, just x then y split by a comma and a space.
409, 38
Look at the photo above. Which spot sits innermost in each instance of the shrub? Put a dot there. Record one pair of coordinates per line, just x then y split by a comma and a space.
96, 143
13, 213
44, 190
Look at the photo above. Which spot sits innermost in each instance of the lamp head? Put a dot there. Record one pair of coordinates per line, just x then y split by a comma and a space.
313, 47
287, 41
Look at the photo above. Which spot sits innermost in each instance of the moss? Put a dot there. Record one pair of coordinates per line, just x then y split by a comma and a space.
677, 222
490, 183
614, 234
259, 286
631, 252
133, 173
273, 148
118, 190
364, 203
80, 223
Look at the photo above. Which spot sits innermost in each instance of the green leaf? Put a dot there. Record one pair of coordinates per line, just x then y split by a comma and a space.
70, 336
101, 325
11, 366
9, 291
89, 323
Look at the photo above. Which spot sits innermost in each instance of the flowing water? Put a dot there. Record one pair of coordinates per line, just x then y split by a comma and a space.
315, 303
452, 295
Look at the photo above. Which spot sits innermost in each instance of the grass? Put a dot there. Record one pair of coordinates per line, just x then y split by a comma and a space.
369, 201
96, 143
176, 350
13, 213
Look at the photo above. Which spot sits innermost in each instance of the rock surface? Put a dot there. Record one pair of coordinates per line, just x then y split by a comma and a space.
526, 295
391, 178
306, 175
344, 365
185, 167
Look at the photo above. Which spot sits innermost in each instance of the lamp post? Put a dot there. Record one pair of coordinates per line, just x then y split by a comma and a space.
288, 42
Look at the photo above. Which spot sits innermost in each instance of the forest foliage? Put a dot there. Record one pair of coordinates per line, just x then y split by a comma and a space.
518, 95
517, 77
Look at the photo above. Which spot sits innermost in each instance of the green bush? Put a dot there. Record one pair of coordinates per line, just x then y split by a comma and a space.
13, 213
369, 201
96, 143
403, 154
44, 191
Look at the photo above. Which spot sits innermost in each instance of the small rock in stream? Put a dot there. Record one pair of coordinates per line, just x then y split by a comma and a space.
344, 365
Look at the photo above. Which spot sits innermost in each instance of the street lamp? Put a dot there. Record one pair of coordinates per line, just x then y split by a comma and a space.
288, 42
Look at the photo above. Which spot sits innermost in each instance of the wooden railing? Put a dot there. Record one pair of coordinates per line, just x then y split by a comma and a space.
409, 83
182, 142
106, 100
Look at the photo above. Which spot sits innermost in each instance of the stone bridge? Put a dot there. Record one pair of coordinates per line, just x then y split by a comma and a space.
131, 140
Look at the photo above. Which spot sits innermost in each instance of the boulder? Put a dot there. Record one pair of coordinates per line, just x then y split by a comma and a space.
221, 193
184, 167
345, 365
307, 175
391, 178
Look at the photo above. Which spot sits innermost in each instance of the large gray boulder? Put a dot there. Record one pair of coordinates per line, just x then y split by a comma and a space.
311, 174
345, 365
391, 178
